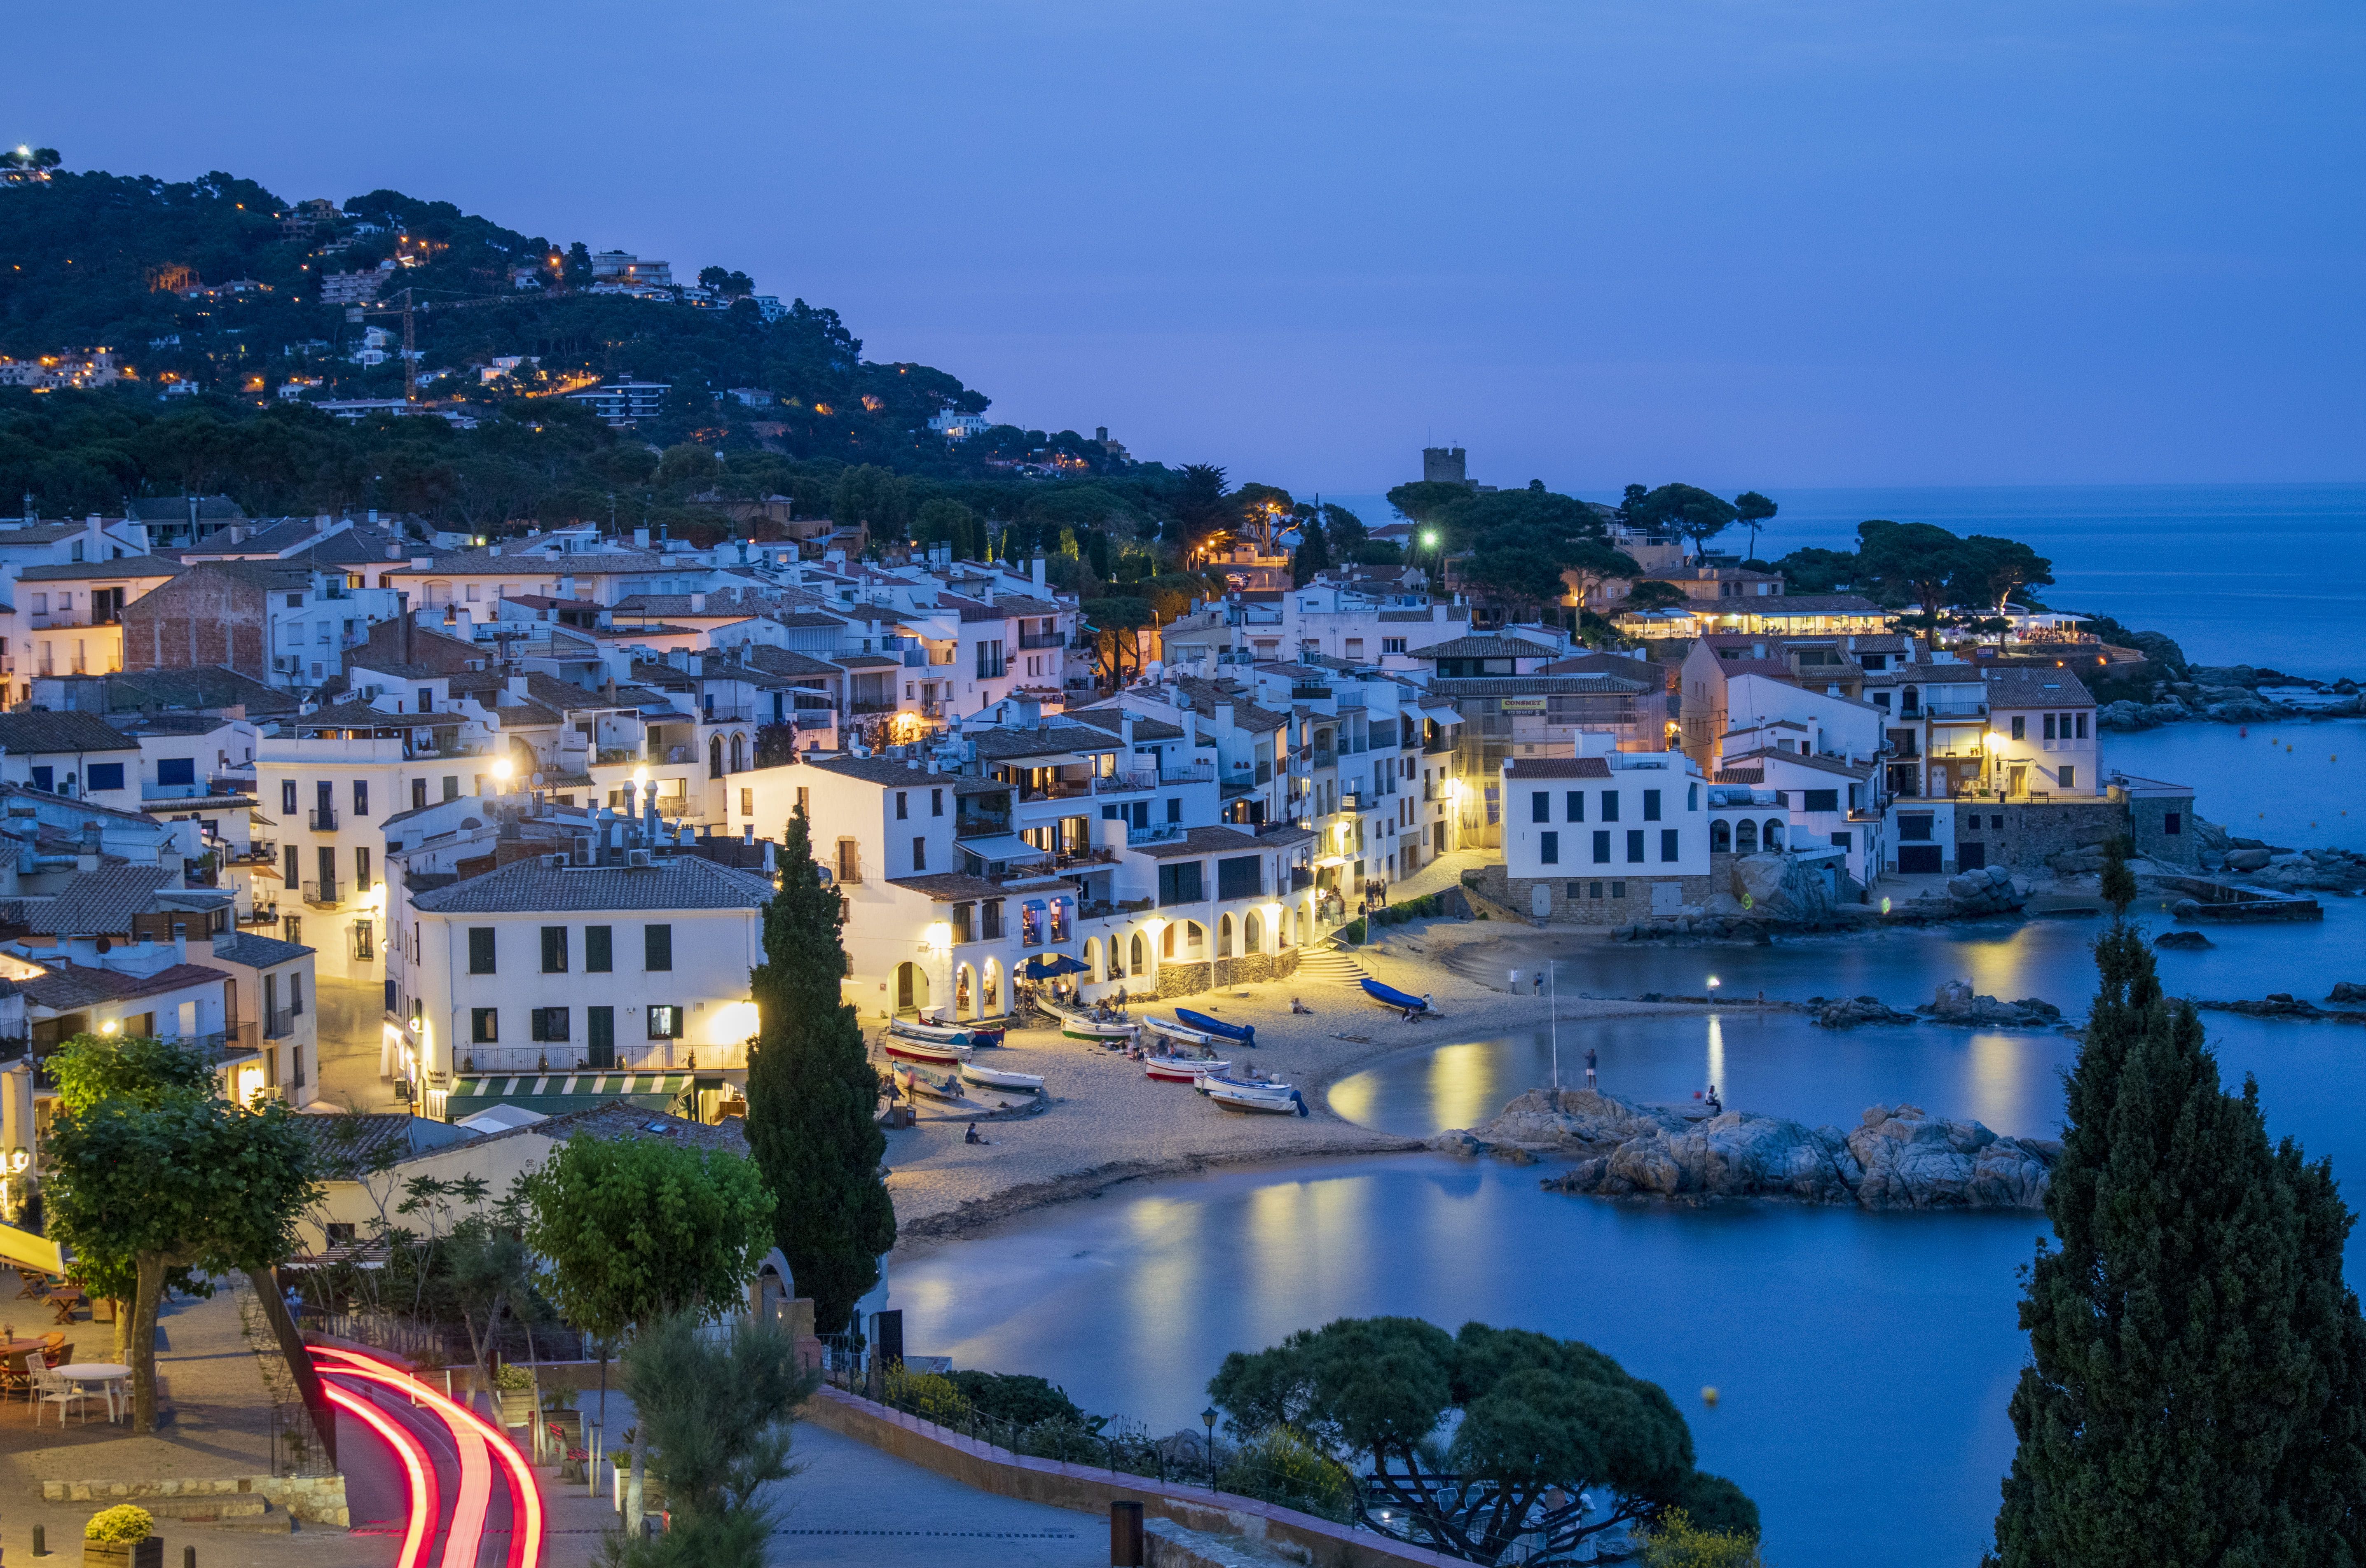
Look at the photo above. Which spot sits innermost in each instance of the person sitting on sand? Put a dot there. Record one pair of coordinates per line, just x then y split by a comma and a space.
1301, 1008
970, 1136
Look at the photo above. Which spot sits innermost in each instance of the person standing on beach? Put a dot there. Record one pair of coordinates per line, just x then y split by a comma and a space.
1589, 1067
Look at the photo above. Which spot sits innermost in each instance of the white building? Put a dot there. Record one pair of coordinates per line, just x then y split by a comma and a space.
1605, 838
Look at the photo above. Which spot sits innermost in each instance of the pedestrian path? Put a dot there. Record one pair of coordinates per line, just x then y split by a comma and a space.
853, 1505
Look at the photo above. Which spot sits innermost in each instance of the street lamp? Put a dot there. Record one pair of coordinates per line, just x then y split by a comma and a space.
1209, 1416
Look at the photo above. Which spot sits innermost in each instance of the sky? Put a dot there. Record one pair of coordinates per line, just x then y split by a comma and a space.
1771, 244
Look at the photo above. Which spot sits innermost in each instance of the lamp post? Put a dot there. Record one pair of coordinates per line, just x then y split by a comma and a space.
1209, 1416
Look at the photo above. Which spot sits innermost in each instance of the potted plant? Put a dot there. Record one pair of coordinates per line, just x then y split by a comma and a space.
121, 1537
515, 1386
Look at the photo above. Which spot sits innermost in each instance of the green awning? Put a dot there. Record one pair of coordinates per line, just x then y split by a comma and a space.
554, 1093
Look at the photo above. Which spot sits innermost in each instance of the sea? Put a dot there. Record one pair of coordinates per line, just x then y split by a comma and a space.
1861, 1363
2263, 575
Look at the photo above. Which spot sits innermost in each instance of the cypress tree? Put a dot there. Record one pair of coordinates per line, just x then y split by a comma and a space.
1313, 555
2196, 1392
813, 1097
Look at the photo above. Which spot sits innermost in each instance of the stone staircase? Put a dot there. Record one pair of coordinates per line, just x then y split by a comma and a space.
1329, 964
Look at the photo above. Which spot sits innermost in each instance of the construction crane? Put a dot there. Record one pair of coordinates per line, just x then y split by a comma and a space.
407, 310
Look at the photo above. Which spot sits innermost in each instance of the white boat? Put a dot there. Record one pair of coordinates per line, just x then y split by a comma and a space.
1180, 1069
1269, 1099
1079, 1025
999, 1078
1173, 1031
913, 1081
1213, 1072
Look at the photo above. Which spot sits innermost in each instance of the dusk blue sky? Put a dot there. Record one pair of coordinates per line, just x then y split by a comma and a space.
1766, 244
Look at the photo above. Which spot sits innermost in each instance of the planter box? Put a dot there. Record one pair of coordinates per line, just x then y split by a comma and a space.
517, 1407
149, 1554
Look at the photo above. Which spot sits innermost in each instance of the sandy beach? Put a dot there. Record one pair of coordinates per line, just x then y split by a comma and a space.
1104, 1123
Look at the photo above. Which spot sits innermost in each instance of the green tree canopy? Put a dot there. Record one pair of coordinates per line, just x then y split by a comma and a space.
813, 1096
1908, 562
132, 1071
1812, 570
2196, 1387
1989, 571
1753, 510
1425, 500
1535, 1422
1687, 509
1313, 555
1654, 594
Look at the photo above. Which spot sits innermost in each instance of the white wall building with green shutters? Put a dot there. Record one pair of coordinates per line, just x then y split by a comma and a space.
551, 985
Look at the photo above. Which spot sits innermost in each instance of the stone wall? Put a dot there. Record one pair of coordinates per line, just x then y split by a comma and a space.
1624, 900
1180, 979
313, 1499
2021, 836
1090, 1490
2147, 823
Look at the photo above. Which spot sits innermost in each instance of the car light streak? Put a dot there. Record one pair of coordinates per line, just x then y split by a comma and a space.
425, 1504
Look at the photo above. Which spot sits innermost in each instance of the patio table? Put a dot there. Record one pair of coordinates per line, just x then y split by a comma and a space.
107, 1374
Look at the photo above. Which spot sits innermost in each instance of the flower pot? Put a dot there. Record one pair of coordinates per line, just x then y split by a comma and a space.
517, 1407
149, 1554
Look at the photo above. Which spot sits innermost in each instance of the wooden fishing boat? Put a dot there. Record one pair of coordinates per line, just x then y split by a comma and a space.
1001, 1077
1184, 1033
932, 1051
1079, 1025
1390, 996
1266, 1099
1243, 1033
935, 1086
1180, 1069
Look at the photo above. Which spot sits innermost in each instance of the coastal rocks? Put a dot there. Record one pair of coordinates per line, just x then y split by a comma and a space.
1991, 890
1779, 888
2281, 1004
2247, 859
1575, 1121
1896, 1158
2314, 870
2348, 990
1957, 1004
1851, 1011
2182, 940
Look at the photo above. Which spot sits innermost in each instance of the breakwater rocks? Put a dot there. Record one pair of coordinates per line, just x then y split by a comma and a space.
2283, 1004
1895, 1157
1954, 1004
2233, 694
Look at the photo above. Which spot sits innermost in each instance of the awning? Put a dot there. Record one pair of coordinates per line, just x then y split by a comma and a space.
1331, 860
554, 1094
1441, 716
1001, 847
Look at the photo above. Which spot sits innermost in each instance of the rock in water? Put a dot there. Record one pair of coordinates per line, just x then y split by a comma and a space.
1849, 1011
2348, 990
2184, 939
1955, 1003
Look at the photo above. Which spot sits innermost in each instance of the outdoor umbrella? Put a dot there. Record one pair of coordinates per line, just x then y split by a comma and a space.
1044, 965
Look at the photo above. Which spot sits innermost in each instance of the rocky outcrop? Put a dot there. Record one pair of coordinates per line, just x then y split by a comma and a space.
1779, 888
2283, 1004
1849, 1012
2182, 940
1957, 1004
1895, 1157
2348, 990
2310, 871
1989, 891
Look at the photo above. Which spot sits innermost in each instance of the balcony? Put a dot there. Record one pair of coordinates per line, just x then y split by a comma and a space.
323, 819
1326, 758
861, 706
324, 895
1043, 640
280, 1024
728, 715
617, 754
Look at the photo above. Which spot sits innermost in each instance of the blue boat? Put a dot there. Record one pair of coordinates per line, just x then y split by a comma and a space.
1390, 996
1244, 1033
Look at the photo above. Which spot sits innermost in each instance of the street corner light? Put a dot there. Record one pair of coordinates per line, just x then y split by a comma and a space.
1713, 982
502, 769
1430, 539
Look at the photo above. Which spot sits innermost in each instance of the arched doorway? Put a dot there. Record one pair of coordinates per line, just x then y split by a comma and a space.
1252, 934
993, 1004
1140, 955
715, 756
1771, 835
1195, 939
1721, 836
1223, 936
738, 760
1092, 957
964, 992
1745, 837
911, 987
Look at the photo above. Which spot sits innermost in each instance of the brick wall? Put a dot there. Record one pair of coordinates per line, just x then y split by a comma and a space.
201, 618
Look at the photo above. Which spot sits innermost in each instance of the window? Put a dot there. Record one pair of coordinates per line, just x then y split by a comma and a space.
296, 994
393, 998
554, 949
451, 786
1668, 850
962, 922
42, 781
1914, 827
920, 852
480, 950
1692, 797
1576, 891
1650, 805
990, 920
1182, 883
2070, 775
2020, 727
1392, 645
1241, 877
1540, 806
362, 871
1634, 844
2082, 726
1617, 889
1610, 805
485, 1025
1843, 840
657, 948
176, 770
989, 658
599, 949
1594, 889
361, 797
1549, 849
1575, 805
550, 1024
1601, 849
419, 794
2049, 726
805, 801
1822, 800
1174, 810
936, 803
903, 805
103, 776
2172, 823
665, 1023
427, 699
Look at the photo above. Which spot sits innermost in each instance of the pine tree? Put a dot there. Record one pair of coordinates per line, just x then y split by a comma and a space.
1313, 555
2196, 1392
813, 1097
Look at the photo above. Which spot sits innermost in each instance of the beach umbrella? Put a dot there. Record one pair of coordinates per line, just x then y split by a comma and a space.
1044, 966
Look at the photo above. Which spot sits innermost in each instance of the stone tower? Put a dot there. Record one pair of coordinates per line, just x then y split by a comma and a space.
1443, 465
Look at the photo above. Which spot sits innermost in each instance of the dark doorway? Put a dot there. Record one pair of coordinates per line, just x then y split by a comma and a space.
1917, 859
1971, 856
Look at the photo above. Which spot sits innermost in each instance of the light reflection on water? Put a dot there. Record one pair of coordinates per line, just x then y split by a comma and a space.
1864, 1361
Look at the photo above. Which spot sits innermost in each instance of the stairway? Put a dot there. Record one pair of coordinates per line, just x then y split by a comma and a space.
1327, 965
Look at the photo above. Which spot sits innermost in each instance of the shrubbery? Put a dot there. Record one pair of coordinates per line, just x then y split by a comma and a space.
122, 1525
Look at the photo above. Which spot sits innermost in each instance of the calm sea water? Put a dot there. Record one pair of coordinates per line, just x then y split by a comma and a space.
1864, 1362
2238, 574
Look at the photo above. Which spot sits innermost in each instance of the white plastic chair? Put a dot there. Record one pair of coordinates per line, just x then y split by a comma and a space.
48, 1388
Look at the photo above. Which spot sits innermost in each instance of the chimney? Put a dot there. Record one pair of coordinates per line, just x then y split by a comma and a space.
1035, 570
320, 522
698, 604
373, 514
180, 944
640, 539
1223, 716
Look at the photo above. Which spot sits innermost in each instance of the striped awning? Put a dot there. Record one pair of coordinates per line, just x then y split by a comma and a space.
552, 1092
